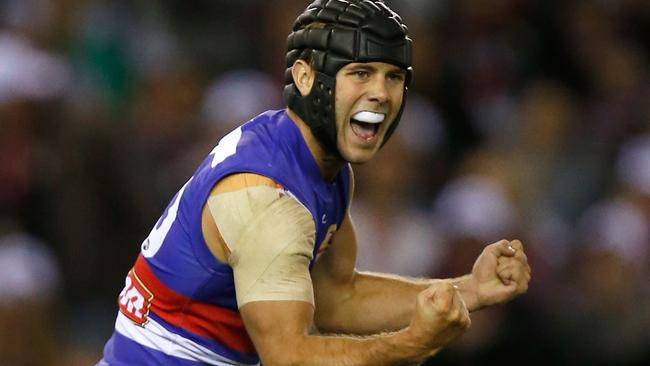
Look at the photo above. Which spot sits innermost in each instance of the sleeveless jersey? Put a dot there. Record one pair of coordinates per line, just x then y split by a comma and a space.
178, 305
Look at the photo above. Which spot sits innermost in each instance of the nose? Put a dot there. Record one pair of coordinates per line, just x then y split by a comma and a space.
378, 90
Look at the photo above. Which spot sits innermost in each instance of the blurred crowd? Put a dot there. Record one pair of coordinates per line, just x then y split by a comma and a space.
527, 119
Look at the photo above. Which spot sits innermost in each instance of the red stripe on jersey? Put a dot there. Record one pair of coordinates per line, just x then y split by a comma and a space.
203, 319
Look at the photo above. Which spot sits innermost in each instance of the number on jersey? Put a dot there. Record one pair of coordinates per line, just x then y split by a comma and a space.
135, 299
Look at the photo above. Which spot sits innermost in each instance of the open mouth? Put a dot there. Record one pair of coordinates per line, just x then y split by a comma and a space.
365, 124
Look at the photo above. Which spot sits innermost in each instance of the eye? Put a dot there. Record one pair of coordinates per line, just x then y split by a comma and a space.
397, 76
361, 74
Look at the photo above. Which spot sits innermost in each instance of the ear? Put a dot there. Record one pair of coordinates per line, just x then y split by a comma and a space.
303, 76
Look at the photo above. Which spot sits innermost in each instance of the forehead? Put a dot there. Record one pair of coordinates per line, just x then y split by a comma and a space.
373, 66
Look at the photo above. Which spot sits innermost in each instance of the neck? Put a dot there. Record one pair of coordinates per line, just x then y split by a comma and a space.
328, 165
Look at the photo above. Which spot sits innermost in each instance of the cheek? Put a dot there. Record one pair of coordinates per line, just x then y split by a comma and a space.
342, 110
398, 97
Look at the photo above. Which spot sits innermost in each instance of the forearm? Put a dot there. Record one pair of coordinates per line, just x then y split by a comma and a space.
369, 304
279, 331
378, 302
397, 348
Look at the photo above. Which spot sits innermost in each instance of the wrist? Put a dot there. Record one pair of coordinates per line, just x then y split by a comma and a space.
468, 289
415, 339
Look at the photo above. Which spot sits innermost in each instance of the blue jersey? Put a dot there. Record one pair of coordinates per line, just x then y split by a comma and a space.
178, 306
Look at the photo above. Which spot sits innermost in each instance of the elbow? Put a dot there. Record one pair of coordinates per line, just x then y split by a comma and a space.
282, 358
285, 353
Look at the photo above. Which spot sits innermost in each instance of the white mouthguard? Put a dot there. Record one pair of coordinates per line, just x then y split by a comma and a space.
369, 117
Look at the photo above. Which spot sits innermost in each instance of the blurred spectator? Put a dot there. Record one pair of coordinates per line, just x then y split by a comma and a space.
237, 96
393, 232
29, 295
602, 313
27, 72
633, 167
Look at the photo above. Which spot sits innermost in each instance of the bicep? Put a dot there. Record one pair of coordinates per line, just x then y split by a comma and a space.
333, 277
337, 264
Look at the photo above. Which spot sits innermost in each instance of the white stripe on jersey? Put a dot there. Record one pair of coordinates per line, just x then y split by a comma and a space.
155, 336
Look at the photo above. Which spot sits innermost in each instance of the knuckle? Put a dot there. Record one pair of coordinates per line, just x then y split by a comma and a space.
441, 309
450, 312
446, 287
422, 296
454, 314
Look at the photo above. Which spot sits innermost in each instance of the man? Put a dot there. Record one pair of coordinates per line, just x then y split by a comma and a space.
253, 259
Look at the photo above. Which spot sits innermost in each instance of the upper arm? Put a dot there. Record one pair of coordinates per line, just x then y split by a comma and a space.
334, 273
336, 265
268, 240
338, 261
268, 237
224, 188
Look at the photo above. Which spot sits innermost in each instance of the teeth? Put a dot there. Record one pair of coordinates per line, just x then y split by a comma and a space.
369, 117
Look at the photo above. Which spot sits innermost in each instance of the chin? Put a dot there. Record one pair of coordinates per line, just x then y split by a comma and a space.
358, 157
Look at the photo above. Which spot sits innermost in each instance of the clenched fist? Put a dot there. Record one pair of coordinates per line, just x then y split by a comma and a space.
441, 315
499, 274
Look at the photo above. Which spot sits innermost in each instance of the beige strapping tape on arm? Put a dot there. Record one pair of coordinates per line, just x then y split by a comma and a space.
271, 239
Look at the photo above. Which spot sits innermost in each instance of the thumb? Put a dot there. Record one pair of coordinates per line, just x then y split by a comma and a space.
506, 276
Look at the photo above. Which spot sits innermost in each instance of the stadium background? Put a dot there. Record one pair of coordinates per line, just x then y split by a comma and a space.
527, 119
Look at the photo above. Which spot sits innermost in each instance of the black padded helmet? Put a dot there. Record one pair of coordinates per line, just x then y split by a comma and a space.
347, 31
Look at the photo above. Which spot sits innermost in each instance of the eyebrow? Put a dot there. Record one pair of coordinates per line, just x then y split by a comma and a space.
363, 67
397, 71
366, 67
